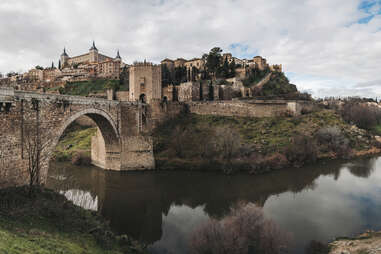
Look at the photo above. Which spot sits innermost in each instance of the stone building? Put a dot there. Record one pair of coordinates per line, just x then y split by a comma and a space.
109, 68
194, 68
189, 91
104, 66
169, 63
35, 74
145, 82
179, 62
259, 62
49, 75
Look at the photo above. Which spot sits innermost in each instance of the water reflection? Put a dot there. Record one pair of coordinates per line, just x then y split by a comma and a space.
162, 208
82, 198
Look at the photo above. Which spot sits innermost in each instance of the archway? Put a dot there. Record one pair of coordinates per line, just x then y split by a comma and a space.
108, 130
142, 98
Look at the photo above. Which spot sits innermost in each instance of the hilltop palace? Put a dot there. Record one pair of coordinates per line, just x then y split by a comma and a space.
174, 80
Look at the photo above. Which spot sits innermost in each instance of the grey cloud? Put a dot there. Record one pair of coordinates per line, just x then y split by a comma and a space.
319, 38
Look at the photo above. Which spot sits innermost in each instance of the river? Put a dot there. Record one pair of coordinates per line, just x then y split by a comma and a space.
317, 202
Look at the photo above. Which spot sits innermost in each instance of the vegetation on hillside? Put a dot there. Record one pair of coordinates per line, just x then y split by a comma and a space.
278, 85
255, 144
84, 88
254, 76
49, 223
75, 141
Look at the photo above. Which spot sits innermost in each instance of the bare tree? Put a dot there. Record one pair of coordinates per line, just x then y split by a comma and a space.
228, 142
35, 144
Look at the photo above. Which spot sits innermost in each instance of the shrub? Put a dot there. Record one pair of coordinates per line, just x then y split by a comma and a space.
301, 150
334, 139
243, 230
363, 115
276, 161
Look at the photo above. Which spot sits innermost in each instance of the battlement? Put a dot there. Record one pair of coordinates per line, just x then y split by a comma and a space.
144, 64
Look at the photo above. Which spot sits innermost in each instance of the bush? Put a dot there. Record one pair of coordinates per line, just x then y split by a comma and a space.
244, 230
302, 149
362, 115
334, 139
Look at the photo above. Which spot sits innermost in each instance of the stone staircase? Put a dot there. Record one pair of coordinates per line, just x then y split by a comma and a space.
261, 83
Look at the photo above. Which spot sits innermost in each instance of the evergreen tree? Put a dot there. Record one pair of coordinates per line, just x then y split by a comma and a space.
224, 72
59, 64
165, 75
213, 60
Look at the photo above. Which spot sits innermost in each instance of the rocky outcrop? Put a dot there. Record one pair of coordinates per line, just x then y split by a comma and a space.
369, 242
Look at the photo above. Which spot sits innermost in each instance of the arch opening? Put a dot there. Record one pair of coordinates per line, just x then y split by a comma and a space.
142, 98
107, 141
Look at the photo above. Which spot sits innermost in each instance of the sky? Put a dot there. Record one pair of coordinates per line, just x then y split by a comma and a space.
326, 47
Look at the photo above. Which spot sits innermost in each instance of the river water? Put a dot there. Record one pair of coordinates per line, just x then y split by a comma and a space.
162, 209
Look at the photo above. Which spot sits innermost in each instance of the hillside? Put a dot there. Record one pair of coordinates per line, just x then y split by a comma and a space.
255, 144
49, 223
85, 88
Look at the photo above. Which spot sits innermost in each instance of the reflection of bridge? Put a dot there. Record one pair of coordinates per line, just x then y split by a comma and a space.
120, 123
135, 203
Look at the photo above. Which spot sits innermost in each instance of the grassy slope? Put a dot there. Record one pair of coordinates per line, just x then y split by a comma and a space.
75, 139
84, 88
264, 135
51, 224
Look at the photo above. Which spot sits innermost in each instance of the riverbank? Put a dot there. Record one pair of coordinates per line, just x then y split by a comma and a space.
369, 242
258, 145
231, 144
49, 223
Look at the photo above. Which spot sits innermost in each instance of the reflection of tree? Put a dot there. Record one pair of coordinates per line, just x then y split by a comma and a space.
362, 168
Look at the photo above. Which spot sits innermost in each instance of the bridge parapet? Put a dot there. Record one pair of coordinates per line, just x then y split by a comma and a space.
124, 146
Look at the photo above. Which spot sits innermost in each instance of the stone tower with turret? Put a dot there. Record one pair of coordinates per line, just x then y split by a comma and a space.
64, 59
93, 54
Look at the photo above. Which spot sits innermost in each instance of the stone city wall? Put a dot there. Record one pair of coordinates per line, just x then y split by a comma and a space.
254, 108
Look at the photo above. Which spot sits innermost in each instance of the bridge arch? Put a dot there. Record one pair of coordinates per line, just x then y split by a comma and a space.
109, 132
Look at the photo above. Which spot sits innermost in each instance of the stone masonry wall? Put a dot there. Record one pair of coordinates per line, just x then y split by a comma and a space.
51, 115
254, 108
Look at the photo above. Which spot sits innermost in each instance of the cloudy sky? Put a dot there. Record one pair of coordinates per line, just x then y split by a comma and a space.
327, 47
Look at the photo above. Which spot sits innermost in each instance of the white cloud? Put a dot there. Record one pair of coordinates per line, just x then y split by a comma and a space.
323, 39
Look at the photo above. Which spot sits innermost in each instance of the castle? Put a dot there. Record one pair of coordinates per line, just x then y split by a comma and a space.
94, 62
171, 80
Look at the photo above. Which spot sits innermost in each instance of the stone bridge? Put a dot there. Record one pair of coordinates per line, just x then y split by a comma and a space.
123, 127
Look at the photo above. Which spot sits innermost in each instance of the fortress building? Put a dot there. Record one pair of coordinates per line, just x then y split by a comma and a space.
145, 82
104, 66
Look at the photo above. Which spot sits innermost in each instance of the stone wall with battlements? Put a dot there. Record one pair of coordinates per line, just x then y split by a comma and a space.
145, 80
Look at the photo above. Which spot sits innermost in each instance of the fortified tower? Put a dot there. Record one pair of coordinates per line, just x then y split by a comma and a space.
93, 55
64, 59
145, 82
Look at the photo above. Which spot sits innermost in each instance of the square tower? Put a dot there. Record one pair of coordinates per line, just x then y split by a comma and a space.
145, 82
